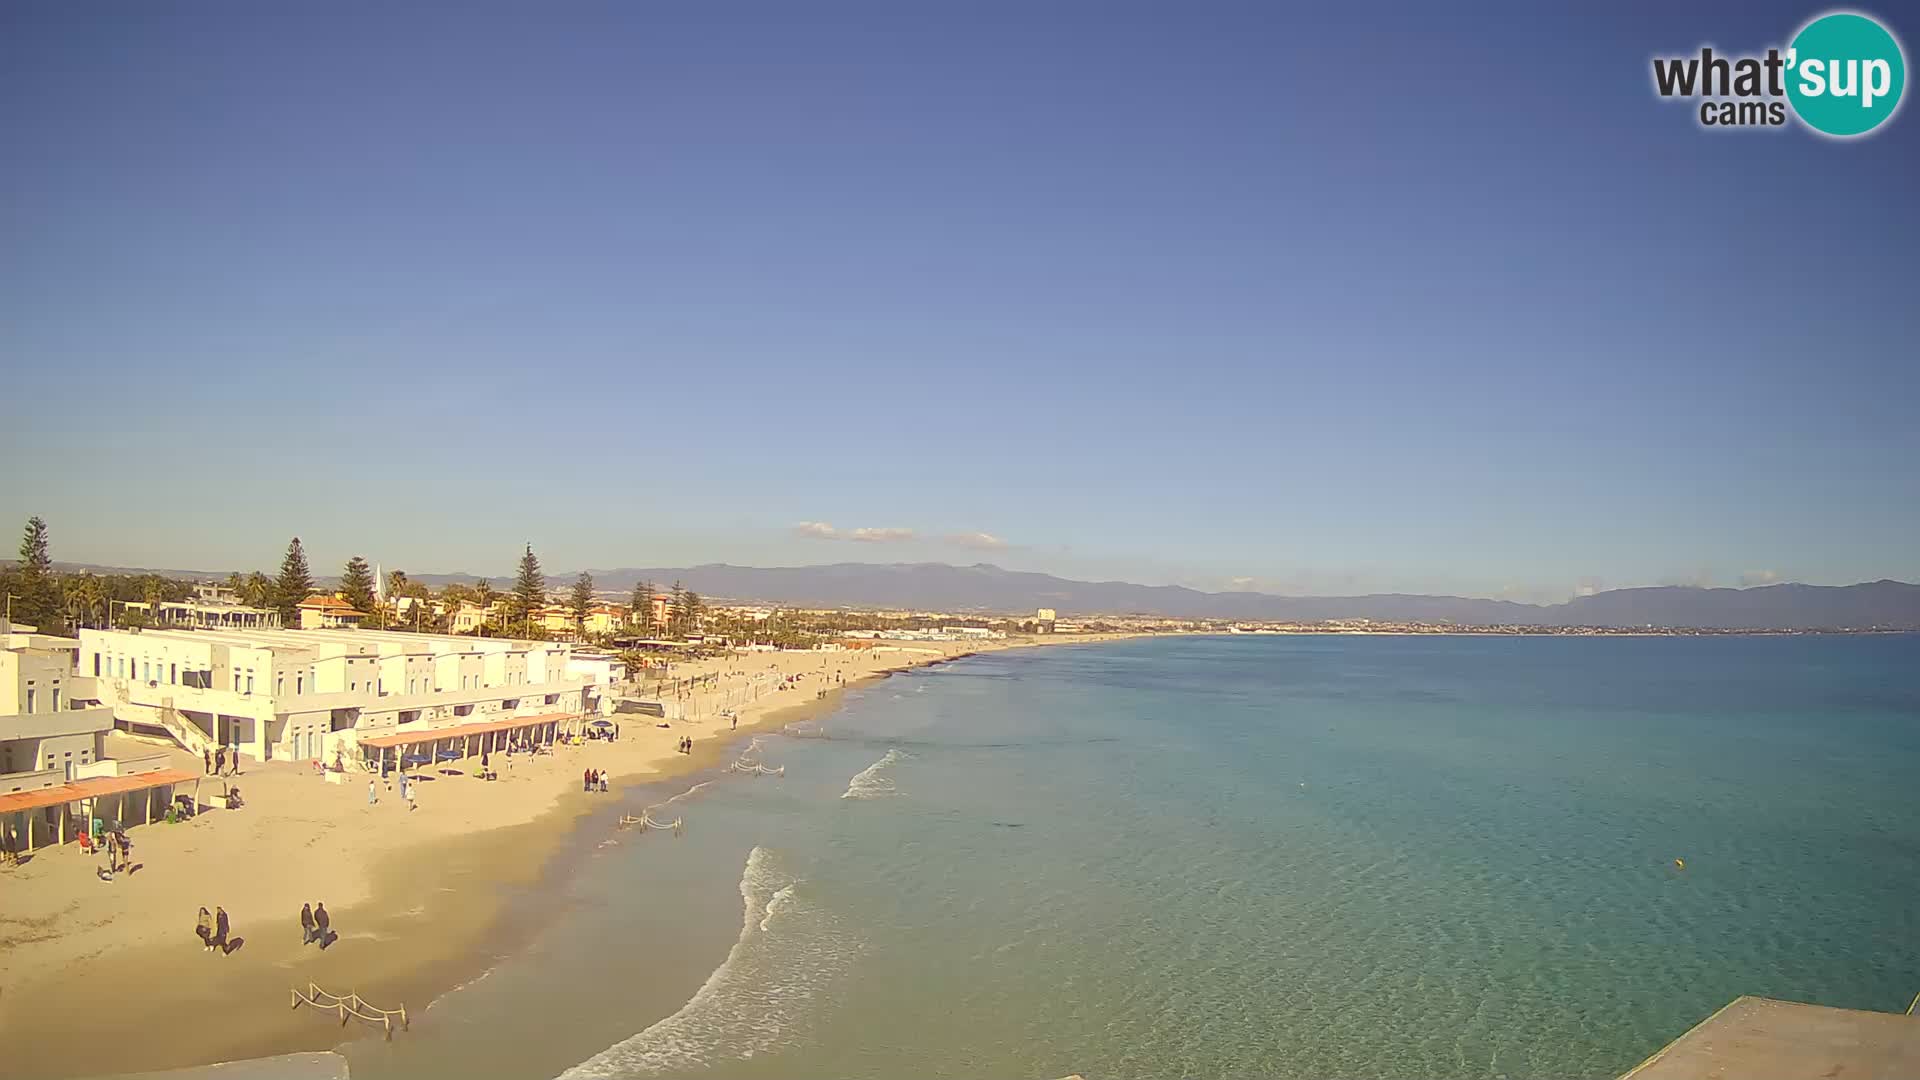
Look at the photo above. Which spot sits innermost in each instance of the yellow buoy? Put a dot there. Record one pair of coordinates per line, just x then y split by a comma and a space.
1680, 864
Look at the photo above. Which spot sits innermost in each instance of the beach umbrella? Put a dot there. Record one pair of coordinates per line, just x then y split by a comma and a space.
601, 723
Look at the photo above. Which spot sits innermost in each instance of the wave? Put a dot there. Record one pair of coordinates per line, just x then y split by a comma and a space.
787, 951
869, 784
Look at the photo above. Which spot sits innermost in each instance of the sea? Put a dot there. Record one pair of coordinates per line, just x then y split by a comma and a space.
1241, 856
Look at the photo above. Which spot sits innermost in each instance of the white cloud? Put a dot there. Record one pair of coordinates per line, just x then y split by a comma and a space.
1589, 586
1759, 577
817, 530
977, 540
880, 536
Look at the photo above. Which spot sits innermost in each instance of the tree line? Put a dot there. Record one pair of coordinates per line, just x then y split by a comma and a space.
57, 603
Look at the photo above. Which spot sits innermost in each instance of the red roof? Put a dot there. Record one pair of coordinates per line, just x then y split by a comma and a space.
460, 731
87, 789
332, 605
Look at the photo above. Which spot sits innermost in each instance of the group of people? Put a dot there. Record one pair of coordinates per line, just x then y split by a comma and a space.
316, 925
409, 789
114, 842
222, 760
686, 744
594, 780
213, 930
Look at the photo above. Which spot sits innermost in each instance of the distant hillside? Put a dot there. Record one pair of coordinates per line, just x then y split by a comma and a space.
984, 587
987, 588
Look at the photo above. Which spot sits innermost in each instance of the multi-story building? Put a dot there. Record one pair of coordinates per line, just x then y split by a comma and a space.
49, 723
606, 619
309, 694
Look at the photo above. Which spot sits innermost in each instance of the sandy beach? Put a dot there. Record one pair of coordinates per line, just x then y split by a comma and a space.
105, 977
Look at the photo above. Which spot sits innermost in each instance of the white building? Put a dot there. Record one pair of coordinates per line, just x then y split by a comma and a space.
212, 615
49, 726
309, 694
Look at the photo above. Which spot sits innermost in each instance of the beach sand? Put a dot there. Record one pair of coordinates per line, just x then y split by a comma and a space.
105, 977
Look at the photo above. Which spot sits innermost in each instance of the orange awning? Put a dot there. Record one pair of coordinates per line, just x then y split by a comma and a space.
91, 788
460, 731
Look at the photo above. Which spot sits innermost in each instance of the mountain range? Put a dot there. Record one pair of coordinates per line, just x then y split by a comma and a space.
986, 588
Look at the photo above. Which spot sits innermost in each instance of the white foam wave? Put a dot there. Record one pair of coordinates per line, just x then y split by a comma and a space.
782, 900
869, 784
786, 952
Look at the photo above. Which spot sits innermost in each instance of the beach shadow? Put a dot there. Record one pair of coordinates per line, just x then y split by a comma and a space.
232, 946
332, 936
136, 868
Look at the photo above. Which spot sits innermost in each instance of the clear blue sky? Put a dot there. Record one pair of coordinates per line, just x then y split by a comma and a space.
1362, 298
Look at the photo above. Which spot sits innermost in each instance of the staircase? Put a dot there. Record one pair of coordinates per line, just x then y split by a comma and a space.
185, 731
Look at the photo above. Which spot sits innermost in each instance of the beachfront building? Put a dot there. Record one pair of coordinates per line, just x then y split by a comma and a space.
328, 613
207, 614
314, 694
50, 728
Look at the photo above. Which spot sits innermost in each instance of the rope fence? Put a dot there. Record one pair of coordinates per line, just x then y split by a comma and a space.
350, 1007
647, 822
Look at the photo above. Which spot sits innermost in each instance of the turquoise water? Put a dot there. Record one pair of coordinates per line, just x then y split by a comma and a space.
1244, 856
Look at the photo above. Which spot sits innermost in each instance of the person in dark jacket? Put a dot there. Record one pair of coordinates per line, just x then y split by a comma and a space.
220, 928
322, 923
306, 924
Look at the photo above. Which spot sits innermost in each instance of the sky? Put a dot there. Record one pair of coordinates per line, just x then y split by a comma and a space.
1304, 299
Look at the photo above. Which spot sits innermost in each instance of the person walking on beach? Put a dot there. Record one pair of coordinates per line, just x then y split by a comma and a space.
220, 761
220, 928
586, 780
403, 787
413, 796
204, 928
322, 923
306, 924
373, 792
206, 755
603, 781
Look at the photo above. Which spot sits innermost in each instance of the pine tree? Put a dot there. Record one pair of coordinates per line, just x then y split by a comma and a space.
690, 618
35, 601
357, 584
677, 610
529, 589
293, 585
643, 605
582, 599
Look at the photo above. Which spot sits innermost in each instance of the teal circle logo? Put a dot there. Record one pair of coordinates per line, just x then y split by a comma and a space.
1845, 74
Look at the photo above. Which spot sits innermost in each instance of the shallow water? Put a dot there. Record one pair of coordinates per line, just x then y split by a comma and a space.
1218, 857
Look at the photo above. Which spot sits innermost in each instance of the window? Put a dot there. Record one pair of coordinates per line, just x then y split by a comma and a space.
56, 699
280, 686
236, 682
31, 695
299, 684
173, 673
249, 683
96, 665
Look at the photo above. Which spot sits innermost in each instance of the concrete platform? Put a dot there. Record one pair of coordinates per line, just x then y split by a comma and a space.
1758, 1037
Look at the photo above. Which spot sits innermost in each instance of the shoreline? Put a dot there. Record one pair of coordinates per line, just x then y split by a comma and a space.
425, 897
